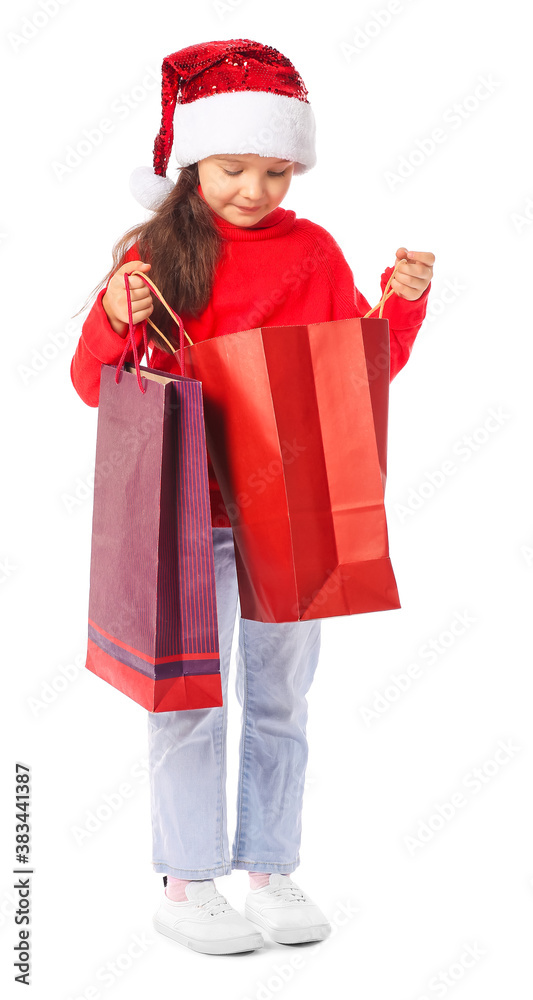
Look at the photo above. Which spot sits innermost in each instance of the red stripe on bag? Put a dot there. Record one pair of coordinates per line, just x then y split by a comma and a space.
154, 659
168, 694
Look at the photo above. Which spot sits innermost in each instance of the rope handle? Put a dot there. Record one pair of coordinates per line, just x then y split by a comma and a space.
131, 342
385, 296
177, 319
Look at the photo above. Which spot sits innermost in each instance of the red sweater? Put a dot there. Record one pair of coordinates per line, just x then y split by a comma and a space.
282, 271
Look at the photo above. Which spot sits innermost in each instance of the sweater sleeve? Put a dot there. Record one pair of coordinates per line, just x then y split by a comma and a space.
405, 318
99, 344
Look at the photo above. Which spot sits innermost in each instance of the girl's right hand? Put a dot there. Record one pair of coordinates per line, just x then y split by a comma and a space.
115, 303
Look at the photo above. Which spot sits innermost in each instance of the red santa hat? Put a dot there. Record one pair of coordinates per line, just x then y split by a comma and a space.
231, 96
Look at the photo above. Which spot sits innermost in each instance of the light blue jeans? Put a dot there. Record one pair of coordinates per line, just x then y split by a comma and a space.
187, 750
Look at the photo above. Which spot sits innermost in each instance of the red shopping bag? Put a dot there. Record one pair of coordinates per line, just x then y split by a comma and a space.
296, 428
153, 630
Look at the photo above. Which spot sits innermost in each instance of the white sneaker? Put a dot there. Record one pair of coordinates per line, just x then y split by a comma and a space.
288, 915
207, 923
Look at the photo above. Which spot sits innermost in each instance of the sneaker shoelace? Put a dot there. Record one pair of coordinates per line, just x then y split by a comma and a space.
289, 893
217, 903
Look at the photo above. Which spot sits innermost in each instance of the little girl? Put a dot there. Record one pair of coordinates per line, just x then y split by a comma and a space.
228, 258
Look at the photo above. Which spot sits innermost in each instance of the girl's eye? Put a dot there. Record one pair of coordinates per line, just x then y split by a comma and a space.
235, 172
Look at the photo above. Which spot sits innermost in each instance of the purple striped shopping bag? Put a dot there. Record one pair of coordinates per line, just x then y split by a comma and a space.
153, 629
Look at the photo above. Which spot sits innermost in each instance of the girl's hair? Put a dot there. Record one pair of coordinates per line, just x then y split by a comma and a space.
183, 244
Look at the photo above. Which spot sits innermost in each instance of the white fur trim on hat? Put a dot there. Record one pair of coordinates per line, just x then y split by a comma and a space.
148, 188
248, 121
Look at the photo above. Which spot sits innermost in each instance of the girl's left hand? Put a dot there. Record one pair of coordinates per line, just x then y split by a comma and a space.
412, 277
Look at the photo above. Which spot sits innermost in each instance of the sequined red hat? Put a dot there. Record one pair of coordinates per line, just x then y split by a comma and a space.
230, 96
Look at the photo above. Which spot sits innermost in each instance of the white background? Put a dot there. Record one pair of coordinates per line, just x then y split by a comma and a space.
402, 917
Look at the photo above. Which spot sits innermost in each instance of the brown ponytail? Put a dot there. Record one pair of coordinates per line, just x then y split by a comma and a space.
183, 244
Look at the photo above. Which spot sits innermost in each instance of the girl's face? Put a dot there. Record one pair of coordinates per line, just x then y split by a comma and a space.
243, 188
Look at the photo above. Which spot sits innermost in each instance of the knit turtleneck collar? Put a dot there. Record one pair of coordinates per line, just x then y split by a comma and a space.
276, 223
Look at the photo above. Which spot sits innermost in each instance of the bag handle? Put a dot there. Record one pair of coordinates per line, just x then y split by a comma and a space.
385, 296
175, 317
130, 340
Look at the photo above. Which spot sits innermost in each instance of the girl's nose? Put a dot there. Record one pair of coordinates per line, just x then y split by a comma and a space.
252, 188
